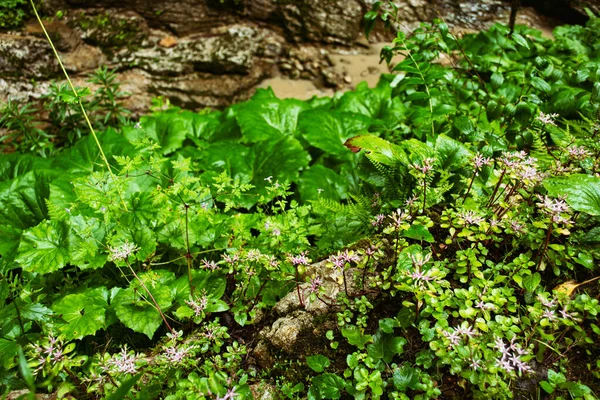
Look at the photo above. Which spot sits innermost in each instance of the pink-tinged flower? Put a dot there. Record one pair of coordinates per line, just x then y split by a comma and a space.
426, 167
123, 362
453, 337
420, 276
466, 331
565, 314
510, 359
475, 364
122, 252
549, 314
547, 119
378, 220
471, 218
253, 255
198, 305
399, 217
176, 354
300, 259
547, 303
210, 265
230, 259
230, 395
411, 202
418, 260
479, 161
315, 285
579, 152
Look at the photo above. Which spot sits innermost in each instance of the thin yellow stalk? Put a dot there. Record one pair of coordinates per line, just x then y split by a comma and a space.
87, 119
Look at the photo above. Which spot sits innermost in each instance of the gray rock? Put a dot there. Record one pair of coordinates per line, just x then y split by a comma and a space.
26, 57
291, 332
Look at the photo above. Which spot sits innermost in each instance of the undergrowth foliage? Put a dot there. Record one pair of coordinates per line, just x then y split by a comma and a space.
457, 204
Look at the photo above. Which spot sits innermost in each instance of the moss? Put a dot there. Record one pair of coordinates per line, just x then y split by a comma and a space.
13, 13
109, 31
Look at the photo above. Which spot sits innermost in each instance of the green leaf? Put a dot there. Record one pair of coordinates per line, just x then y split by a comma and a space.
44, 248
582, 191
548, 388
125, 388
379, 150
531, 282
520, 40
329, 130
355, 336
328, 386
540, 84
23, 201
452, 154
136, 310
85, 236
387, 325
405, 377
318, 363
419, 232
84, 313
386, 346
321, 182
26, 371
262, 119
366, 101
168, 129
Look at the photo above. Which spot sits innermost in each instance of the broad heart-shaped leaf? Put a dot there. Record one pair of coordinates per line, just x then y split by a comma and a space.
322, 182
136, 310
268, 118
27, 312
452, 154
133, 232
84, 313
168, 129
329, 130
44, 248
582, 191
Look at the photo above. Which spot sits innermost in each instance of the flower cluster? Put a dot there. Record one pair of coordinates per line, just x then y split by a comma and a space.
52, 352
555, 208
122, 252
511, 354
198, 305
123, 362
547, 119
340, 259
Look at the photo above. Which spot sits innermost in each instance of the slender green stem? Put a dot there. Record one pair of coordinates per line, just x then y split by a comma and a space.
79, 101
